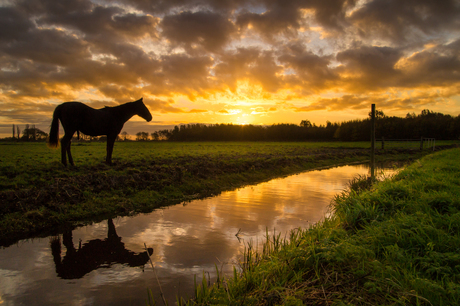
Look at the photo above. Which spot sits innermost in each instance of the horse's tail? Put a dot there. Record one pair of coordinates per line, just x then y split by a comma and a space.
53, 139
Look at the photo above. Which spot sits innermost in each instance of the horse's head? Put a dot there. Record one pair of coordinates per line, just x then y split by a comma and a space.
142, 111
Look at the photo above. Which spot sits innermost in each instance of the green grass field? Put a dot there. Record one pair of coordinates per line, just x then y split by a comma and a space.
38, 193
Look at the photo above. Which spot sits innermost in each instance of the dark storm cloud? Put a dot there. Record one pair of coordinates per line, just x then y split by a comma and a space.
369, 67
169, 6
47, 46
312, 70
14, 24
51, 7
400, 20
277, 20
437, 66
286, 16
184, 74
331, 13
373, 68
101, 21
208, 29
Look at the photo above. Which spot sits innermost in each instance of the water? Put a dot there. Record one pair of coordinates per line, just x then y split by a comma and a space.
107, 263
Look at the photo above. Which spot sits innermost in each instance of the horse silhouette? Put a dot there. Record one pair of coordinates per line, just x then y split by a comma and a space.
94, 254
78, 117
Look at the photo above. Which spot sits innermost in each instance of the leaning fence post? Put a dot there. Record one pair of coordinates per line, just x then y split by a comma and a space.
372, 141
421, 144
383, 143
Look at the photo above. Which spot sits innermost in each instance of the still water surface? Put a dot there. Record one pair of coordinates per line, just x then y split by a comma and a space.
107, 263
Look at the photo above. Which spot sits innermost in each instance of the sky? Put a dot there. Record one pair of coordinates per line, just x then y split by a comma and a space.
223, 61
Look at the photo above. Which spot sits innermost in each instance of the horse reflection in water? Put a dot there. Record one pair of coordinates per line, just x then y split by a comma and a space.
94, 254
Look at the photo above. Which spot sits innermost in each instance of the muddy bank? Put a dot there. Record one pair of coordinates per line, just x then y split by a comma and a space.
89, 193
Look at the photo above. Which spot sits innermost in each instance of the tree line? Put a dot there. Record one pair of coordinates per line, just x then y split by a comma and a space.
427, 124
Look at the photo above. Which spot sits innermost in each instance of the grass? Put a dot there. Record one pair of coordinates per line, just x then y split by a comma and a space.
395, 243
38, 194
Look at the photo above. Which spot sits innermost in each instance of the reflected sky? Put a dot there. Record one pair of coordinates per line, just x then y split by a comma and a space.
186, 239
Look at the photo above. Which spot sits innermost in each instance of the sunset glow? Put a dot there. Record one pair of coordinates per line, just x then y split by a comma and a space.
241, 62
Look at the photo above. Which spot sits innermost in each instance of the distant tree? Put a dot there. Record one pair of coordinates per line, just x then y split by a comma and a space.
164, 134
142, 136
155, 136
410, 115
32, 133
305, 123
378, 114
124, 135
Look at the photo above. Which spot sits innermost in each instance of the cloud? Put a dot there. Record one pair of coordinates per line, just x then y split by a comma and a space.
227, 51
335, 104
436, 66
14, 24
286, 17
183, 74
272, 22
207, 29
369, 67
405, 20
156, 105
258, 67
312, 70
103, 22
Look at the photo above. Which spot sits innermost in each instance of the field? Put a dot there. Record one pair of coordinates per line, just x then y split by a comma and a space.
39, 195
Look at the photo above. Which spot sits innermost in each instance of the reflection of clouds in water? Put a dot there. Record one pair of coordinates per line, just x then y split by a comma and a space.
116, 274
13, 283
192, 252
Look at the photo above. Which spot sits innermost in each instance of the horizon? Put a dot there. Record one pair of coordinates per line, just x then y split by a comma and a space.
258, 62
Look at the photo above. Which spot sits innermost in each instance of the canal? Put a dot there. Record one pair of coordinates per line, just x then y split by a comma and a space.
108, 263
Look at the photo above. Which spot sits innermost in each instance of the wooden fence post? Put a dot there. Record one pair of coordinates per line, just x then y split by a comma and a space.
372, 142
421, 144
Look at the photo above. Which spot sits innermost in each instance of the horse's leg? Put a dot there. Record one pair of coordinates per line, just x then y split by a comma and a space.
110, 143
70, 154
65, 149
64, 144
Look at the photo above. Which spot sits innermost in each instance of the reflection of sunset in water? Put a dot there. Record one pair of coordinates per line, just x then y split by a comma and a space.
187, 239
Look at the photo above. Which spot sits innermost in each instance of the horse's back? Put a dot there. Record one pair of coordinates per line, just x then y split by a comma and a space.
77, 116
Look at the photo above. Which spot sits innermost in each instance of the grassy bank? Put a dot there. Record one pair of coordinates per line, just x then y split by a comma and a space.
395, 244
39, 194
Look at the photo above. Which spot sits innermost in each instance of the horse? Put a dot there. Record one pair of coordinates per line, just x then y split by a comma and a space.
78, 117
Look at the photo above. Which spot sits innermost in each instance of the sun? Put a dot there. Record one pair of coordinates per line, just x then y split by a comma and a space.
243, 119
